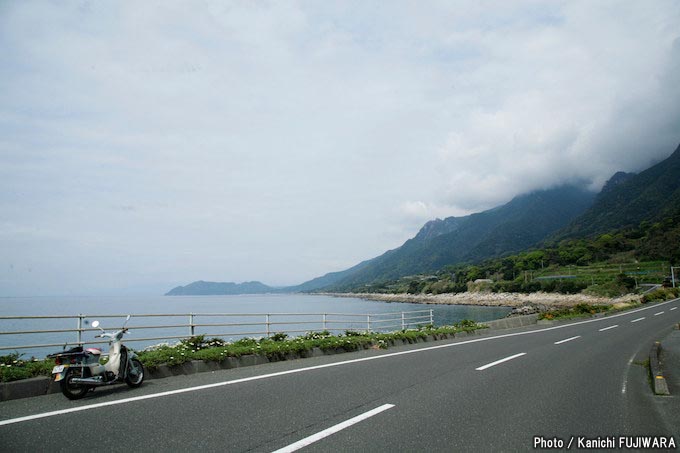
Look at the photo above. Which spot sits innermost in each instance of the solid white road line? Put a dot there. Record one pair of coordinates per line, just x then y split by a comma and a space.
659, 313
639, 319
333, 429
610, 327
568, 339
317, 367
624, 386
489, 365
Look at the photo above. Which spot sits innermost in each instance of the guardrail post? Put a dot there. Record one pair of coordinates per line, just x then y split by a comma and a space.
403, 321
267, 323
368, 323
324, 321
191, 324
80, 328
431, 317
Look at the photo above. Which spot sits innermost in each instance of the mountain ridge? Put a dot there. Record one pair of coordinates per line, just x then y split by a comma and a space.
507, 228
564, 212
625, 201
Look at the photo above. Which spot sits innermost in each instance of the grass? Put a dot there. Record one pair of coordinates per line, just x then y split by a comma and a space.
277, 347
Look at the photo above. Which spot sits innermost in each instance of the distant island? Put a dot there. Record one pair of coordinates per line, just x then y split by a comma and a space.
201, 288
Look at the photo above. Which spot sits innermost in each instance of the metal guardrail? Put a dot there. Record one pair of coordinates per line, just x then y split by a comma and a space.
269, 324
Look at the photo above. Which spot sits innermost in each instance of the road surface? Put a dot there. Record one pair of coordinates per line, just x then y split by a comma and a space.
497, 392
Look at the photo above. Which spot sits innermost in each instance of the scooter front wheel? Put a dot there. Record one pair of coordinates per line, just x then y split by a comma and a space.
135, 373
70, 390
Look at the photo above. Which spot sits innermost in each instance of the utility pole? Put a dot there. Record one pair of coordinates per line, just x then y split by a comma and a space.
673, 274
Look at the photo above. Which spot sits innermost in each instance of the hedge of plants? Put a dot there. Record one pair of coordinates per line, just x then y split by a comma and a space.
276, 347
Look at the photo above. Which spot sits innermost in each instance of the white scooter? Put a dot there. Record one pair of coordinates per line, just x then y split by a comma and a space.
78, 370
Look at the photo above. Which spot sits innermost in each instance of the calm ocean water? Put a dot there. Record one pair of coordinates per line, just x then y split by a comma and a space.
239, 306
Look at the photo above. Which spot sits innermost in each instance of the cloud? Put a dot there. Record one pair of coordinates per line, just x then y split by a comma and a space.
573, 100
237, 141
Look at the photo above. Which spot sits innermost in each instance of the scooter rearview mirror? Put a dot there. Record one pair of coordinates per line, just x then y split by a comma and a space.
95, 324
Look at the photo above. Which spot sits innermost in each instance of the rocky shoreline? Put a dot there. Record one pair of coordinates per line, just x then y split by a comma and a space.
539, 301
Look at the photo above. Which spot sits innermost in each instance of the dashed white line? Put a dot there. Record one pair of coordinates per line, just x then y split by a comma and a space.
659, 313
497, 362
639, 319
568, 339
674, 308
333, 429
610, 327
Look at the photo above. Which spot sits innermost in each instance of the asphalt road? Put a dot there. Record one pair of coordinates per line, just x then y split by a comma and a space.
490, 393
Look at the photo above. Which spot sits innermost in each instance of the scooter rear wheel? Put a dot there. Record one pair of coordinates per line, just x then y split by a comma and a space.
70, 390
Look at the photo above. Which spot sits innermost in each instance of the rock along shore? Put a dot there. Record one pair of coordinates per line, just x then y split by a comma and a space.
513, 300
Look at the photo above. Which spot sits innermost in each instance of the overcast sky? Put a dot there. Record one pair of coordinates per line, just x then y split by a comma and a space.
145, 145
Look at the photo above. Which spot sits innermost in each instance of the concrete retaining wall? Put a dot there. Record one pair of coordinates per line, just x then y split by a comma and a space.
513, 322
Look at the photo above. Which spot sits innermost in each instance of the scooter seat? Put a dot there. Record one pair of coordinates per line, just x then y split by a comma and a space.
74, 350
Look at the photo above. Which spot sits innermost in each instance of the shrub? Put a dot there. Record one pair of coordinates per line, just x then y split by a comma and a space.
353, 333
14, 368
661, 295
279, 336
316, 335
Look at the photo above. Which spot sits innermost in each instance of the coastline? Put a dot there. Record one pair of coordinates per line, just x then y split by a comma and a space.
489, 299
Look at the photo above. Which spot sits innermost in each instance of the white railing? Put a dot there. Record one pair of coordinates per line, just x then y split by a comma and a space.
223, 325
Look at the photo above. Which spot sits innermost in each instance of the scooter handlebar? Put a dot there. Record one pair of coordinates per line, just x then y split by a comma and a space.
114, 335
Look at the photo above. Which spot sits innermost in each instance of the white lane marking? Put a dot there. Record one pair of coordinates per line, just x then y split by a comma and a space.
333, 429
674, 308
328, 365
568, 339
659, 313
624, 386
489, 365
639, 319
610, 327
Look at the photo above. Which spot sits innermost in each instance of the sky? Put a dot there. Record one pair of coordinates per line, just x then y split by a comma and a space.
145, 145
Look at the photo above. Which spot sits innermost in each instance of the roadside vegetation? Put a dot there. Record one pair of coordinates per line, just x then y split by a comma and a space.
661, 295
578, 311
13, 367
277, 347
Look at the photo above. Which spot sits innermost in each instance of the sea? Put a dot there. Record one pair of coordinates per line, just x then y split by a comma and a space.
154, 318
